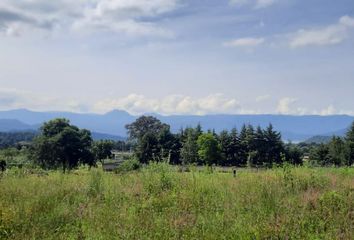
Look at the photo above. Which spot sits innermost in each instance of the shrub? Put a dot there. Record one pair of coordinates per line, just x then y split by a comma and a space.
128, 166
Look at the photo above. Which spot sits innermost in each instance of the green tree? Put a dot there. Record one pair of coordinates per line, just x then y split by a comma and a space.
225, 142
235, 152
147, 148
189, 150
350, 145
169, 146
243, 155
321, 154
63, 145
209, 148
337, 151
273, 146
102, 150
153, 139
293, 154
230, 148
144, 125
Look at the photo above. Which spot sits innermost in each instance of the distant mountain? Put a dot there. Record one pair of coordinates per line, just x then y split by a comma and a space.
294, 128
8, 125
318, 139
104, 136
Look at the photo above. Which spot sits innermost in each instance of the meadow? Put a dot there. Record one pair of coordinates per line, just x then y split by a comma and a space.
160, 202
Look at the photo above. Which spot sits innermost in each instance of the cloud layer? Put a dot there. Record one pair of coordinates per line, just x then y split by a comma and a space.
173, 104
169, 105
131, 17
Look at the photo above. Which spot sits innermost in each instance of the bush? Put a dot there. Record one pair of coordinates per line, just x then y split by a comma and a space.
128, 166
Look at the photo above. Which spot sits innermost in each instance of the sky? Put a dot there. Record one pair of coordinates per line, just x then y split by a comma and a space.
177, 56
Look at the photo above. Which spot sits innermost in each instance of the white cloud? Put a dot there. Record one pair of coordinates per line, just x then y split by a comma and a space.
257, 4
244, 42
285, 105
129, 17
173, 104
329, 35
347, 21
330, 110
169, 105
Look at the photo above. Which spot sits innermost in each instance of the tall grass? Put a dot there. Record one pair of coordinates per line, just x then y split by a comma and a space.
158, 202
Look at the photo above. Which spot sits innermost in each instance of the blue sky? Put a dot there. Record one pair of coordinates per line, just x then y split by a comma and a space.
178, 57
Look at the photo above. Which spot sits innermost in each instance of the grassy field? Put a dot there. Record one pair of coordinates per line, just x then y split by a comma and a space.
159, 202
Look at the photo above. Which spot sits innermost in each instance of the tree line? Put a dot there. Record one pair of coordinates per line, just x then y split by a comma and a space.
63, 145
15, 139
250, 146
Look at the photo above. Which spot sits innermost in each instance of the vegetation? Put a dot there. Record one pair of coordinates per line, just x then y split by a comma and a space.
261, 147
61, 145
158, 202
48, 189
102, 150
338, 152
15, 139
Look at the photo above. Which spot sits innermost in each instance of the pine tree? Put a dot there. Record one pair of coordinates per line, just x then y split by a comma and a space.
336, 150
274, 145
189, 150
235, 150
244, 147
350, 145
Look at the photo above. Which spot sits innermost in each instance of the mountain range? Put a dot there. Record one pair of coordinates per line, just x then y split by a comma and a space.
112, 124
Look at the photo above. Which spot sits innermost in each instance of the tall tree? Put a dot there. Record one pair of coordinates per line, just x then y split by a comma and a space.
61, 144
244, 147
150, 136
336, 151
274, 145
209, 148
169, 146
235, 157
189, 150
144, 125
225, 142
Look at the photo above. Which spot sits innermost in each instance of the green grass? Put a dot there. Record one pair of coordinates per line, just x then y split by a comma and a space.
158, 202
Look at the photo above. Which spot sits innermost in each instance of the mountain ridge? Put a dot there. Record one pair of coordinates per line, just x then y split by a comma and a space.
292, 127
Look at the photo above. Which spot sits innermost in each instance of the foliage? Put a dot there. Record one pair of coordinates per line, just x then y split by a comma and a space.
189, 150
62, 145
15, 139
128, 166
350, 145
154, 141
102, 150
209, 148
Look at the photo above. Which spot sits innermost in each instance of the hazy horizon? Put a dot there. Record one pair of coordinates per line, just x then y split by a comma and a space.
166, 115
178, 57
